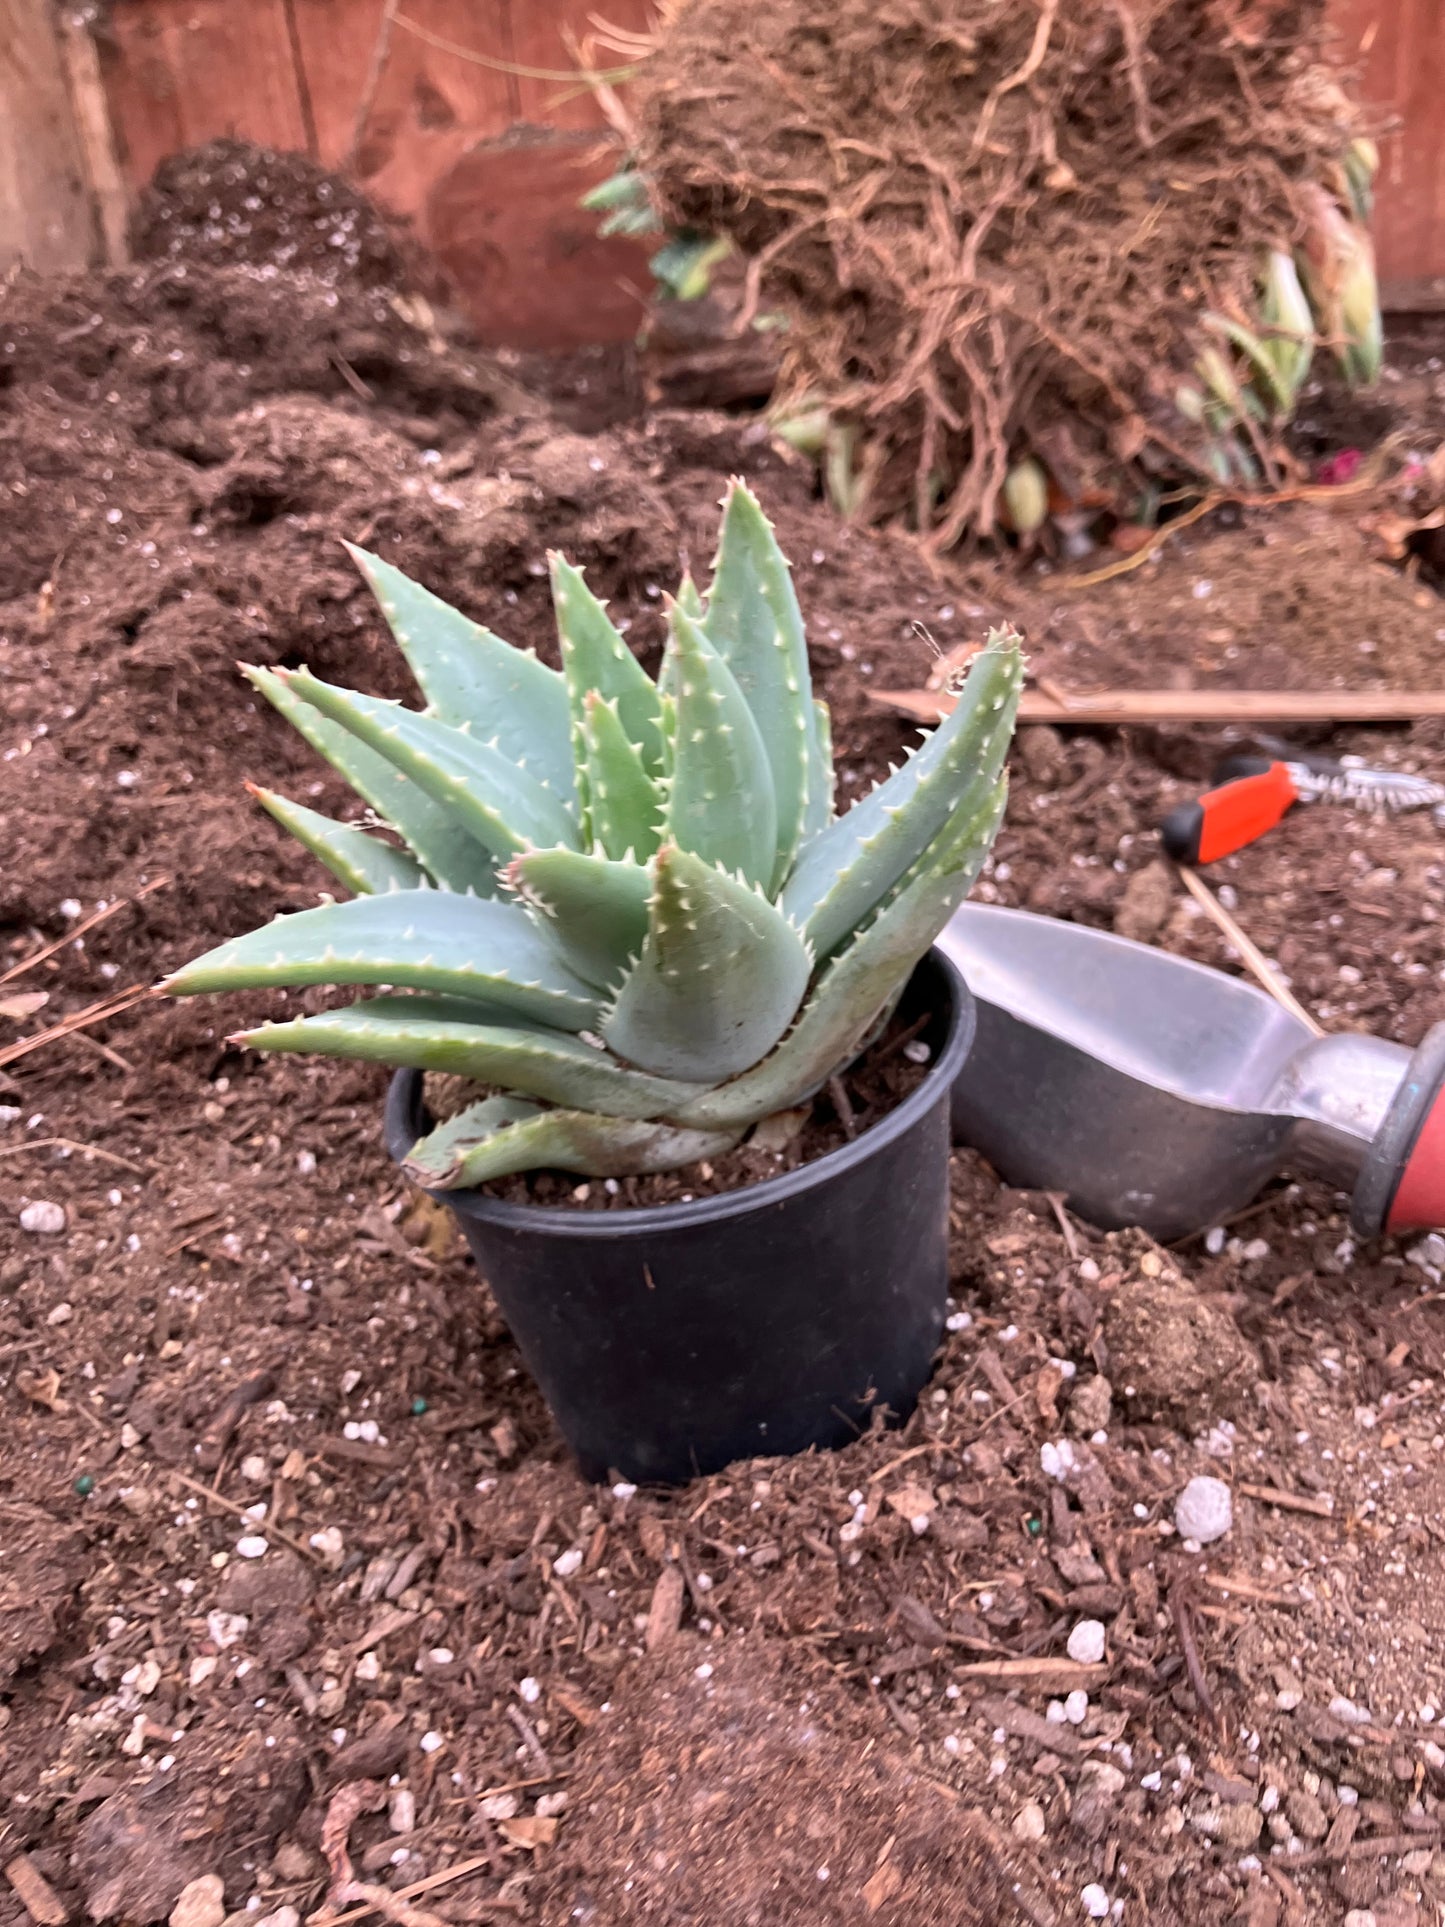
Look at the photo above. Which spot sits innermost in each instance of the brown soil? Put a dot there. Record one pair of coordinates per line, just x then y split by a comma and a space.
860, 1097
244, 1308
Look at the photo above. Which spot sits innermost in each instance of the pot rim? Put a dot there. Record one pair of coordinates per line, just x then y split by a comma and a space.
402, 1098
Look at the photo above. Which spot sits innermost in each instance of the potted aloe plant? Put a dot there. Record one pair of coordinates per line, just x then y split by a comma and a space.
627, 911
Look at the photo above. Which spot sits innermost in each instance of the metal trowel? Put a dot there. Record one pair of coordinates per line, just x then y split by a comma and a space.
1157, 1092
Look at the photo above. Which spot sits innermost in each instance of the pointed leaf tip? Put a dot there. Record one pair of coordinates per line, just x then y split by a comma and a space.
720, 975
754, 622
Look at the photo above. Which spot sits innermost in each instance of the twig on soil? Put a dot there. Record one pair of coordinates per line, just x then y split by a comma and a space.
1250, 954
347, 1804
97, 1013
929, 1445
97, 1049
1183, 1615
362, 390
1048, 1673
482, 1864
533, 1745
1367, 479
1227, 1224
21, 1345
1138, 86
87, 1150
1142, 554
88, 923
1234, 1586
516, 1786
842, 1107
272, 1531
895, 1044
1319, 1504
1066, 1223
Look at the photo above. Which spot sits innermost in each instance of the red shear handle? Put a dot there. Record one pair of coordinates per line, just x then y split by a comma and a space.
1419, 1200
1227, 818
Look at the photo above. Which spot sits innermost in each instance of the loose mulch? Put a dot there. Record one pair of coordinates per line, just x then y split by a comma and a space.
282, 1516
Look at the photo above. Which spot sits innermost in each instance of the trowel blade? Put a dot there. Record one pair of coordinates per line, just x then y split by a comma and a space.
1136, 1083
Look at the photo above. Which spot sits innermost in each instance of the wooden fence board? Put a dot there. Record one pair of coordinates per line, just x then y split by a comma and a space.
525, 257
428, 104
183, 71
540, 36
46, 216
1398, 48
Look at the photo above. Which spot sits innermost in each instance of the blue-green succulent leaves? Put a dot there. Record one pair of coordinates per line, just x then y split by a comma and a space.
625, 908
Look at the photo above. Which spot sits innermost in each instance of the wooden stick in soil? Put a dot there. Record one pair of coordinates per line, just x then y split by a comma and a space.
97, 1013
1057, 1200
432, 1881
97, 1049
86, 1150
1184, 1625
1117, 708
99, 917
36, 1895
1250, 954
842, 1107
271, 1530
1319, 1505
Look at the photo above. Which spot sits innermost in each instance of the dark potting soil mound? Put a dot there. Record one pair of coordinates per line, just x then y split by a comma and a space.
862, 1096
994, 228
230, 203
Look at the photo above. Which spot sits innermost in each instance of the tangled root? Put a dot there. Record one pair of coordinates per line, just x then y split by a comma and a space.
994, 225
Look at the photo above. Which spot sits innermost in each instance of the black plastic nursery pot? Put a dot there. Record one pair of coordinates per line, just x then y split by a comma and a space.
673, 1340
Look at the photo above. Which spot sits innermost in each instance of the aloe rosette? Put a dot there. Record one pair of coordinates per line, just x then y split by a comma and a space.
625, 908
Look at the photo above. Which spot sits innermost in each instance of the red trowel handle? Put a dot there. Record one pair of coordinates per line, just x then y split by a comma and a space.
1401, 1186
1232, 814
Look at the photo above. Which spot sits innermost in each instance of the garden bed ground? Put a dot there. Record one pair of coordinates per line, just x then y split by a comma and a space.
771, 1696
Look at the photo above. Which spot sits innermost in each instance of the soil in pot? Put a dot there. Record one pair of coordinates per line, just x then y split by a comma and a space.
847, 1106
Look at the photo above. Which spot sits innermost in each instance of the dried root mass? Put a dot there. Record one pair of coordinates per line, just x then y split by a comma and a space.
996, 230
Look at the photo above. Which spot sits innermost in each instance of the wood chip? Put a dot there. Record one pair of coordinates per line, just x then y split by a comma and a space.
217, 1435
359, 1452
37, 1896
530, 1831
1235, 1585
664, 1615
912, 1500
21, 1004
1051, 1735
1342, 1832
571, 1701
383, 1628
1050, 1675
908, 1659
881, 1886
1320, 1504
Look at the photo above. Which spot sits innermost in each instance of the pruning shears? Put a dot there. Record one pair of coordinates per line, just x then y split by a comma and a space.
1248, 796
